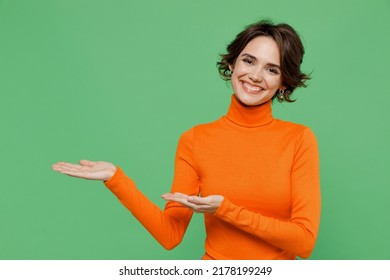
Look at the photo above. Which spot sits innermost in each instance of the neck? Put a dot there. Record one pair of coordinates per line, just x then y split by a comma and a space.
249, 116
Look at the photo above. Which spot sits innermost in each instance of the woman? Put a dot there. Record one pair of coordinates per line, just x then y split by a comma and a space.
255, 178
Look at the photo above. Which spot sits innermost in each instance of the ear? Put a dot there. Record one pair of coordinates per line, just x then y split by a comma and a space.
282, 87
231, 68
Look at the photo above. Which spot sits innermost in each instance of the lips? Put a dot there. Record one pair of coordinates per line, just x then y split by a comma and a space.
251, 88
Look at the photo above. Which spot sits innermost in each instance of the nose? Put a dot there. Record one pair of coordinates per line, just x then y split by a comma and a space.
256, 74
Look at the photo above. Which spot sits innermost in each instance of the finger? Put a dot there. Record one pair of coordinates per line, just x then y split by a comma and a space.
66, 166
198, 200
195, 203
180, 195
177, 197
72, 173
183, 201
69, 166
85, 162
58, 166
193, 199
166, 196
67, 170
199, 208
76, 172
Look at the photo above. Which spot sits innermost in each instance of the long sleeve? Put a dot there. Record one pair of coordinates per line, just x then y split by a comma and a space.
169, 225
298, 233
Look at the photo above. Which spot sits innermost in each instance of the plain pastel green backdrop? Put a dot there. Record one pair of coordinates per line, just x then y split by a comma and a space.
120, 80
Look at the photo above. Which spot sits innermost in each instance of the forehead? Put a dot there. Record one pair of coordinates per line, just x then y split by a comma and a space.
263, 48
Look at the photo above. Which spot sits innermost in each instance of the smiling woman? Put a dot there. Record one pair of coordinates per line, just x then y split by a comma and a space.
256, 76
255, 178
284, 48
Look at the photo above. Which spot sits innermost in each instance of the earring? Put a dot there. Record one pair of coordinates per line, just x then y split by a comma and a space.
281, 94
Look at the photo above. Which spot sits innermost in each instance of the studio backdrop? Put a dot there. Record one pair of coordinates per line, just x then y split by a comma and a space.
120, 81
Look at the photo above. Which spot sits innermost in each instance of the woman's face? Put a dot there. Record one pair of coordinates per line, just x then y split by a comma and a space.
256, 73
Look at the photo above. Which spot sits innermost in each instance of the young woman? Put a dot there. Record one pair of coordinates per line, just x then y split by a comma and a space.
255, 178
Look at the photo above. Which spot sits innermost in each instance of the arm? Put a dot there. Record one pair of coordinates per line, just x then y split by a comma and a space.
167, 226
297, 234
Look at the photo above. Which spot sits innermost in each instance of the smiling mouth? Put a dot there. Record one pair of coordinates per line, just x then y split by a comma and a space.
252, 89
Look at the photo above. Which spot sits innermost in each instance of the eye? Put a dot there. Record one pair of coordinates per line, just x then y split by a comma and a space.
273, 70
248, 61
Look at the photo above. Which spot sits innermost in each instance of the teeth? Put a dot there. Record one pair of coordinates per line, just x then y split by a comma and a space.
249, 87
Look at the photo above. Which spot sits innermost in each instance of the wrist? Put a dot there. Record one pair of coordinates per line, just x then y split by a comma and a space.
111, 170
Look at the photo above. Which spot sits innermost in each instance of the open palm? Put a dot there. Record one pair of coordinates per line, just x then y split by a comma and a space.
99, 170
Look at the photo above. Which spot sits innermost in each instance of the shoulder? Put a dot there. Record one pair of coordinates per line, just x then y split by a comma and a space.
201, 129
300, 132
294, 127
186, 144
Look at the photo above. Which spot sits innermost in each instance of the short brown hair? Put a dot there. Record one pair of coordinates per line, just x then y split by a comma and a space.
290, 48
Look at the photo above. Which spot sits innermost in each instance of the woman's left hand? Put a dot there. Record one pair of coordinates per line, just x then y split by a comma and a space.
208, 204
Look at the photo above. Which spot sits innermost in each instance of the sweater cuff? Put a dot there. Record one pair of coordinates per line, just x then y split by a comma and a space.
116, 183
113, 178
224, 208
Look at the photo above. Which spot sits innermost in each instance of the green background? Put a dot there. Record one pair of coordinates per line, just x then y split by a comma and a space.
120, 80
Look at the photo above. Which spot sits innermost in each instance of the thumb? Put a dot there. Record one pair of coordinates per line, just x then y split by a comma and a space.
85, 162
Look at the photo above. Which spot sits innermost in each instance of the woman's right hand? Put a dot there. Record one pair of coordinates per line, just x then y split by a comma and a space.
99, 170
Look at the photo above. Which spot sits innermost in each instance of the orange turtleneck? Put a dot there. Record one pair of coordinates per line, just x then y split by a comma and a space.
266, 169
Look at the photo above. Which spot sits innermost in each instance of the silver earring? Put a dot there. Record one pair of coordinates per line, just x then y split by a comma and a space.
281, 93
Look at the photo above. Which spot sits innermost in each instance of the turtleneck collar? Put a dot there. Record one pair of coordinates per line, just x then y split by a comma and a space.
249, 116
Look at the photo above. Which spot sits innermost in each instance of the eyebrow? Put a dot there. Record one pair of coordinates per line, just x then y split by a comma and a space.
254, 58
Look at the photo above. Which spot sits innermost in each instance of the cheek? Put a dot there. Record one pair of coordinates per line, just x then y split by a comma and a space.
239, 69
274, 82
233, 78
234, 83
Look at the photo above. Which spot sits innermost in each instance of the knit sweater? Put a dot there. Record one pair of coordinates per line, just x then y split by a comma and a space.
266, 169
